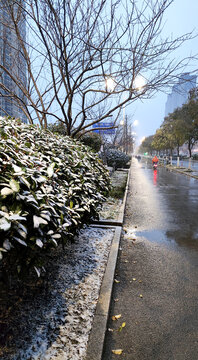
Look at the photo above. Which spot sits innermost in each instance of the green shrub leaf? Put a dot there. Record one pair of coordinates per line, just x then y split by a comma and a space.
6, 191
16, 217
38, 221
56, 185
39, 243
20, 241
50, 170
4, 225
14, 185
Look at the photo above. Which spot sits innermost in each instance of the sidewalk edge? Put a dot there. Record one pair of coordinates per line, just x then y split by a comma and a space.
182, 172
97, 335
122, 211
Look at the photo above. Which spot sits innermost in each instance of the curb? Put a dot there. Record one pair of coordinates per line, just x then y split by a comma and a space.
97, 335
122, 210
182, 172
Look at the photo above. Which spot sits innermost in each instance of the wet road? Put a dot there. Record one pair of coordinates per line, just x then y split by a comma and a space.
157, 292
193, 164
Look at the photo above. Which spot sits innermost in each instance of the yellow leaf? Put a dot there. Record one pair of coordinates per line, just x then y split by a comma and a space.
116, 317
141, 295
122, 326
117, 352
71, 204
134, 279
116, 281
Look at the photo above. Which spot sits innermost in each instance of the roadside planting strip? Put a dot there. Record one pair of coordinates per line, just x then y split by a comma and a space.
99, 326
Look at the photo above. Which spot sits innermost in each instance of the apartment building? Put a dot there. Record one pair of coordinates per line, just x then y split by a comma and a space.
180, 92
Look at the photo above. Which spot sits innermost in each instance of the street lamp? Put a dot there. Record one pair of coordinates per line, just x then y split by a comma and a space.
139, 82
110, 84
135, 122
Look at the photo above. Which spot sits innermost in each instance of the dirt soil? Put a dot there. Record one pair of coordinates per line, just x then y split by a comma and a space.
111, 207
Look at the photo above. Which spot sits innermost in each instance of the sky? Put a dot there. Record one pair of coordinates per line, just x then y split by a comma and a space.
181, 17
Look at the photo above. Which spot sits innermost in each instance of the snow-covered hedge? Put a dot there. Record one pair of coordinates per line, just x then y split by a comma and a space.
116, 158
50, 186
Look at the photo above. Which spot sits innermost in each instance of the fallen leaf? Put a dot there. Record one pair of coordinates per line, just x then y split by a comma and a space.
117, 352
116, 281
122, 326
126, 261
110, 330
134, 279
116, 300
140, 281
141, 295
116, 317
134, 262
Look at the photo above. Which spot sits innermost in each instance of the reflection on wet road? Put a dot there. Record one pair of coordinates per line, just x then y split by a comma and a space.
157, 269
170, 205
193, 164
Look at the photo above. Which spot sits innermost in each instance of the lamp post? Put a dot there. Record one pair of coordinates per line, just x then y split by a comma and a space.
139, 83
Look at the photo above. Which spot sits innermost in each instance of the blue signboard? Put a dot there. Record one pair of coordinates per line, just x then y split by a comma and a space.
104, 126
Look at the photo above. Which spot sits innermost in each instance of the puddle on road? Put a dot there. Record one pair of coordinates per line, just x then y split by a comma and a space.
176, 238
157, 236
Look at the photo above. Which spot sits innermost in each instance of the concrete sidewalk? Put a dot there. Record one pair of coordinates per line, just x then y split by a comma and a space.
154, 295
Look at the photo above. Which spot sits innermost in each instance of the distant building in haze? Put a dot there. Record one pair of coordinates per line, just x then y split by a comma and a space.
11, 57
180, 92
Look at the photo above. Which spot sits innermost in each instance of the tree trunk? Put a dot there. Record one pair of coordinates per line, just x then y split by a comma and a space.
189, 148
178, 150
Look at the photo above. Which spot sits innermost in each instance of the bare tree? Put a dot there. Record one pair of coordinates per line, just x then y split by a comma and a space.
84, 58
122, 137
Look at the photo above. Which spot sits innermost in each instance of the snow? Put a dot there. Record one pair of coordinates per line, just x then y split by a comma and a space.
60, 329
